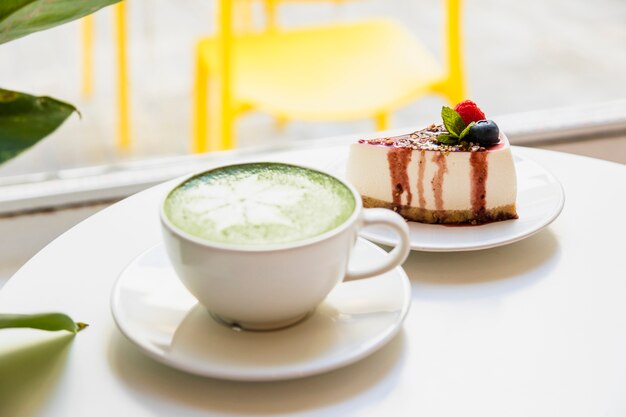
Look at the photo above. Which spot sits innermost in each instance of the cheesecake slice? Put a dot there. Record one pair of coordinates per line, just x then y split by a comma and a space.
426, 180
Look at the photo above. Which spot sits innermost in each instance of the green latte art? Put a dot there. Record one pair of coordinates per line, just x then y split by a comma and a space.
259, 203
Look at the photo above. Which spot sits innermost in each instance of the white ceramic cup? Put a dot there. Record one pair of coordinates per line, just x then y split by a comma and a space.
263, 288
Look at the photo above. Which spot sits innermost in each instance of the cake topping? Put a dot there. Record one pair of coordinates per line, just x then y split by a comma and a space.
466, 123
485, 132
456, 128
426, 139
454, 135
469, 111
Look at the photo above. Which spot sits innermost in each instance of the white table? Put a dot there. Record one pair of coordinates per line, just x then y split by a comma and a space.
536, 328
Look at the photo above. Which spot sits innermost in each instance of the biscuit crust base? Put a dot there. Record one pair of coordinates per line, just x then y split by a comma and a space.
422, 215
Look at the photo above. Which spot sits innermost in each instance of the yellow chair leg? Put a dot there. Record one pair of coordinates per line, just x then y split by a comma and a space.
200, 105
227, 116
382, 121
280, 122
455, 89
123, 140
87, 27
271, 15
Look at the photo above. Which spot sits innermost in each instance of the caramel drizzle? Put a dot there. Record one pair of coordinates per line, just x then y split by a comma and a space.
398, 159
478, 162
437, 182
421, 166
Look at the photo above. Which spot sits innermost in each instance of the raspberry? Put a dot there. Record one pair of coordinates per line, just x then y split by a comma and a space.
469, 111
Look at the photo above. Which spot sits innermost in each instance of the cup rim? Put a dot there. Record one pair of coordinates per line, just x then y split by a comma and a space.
165, 221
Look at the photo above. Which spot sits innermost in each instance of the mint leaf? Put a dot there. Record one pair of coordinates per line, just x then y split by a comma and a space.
465, 131
447, 139
452, 121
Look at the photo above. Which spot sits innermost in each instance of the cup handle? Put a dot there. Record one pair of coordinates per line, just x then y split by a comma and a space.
397, 255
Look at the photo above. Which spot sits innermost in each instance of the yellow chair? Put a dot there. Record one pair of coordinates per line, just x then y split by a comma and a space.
123, 96
123, 140
336, 72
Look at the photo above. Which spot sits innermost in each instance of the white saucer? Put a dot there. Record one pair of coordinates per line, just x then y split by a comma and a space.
155, 312
540, 199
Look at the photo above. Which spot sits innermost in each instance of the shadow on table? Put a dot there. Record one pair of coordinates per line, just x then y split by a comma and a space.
489, 272
347, 389
29, 371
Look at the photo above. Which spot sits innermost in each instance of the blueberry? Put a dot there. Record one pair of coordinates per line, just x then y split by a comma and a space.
485, 132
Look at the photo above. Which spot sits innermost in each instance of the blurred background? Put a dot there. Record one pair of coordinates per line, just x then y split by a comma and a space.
551, 73
525, 63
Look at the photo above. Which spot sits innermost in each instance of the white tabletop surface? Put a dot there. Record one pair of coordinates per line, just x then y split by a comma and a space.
535, 328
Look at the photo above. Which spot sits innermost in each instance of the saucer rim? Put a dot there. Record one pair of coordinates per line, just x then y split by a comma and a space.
375, 343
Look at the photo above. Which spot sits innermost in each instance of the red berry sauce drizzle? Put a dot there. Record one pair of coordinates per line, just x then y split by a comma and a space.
437, 181
479, 164
421, 166
399, 157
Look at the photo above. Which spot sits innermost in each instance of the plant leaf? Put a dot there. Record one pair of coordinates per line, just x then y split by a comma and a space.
26, 119
45, 321
22, 17
452, 121
465, 131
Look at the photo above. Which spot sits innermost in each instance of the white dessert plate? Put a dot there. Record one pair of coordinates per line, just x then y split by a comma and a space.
540, 199
155, 312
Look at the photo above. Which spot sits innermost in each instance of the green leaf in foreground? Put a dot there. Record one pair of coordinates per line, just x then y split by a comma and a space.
44, 321
22, 17
26, 119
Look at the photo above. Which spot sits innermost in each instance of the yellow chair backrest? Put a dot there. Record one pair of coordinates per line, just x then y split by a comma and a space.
331, 72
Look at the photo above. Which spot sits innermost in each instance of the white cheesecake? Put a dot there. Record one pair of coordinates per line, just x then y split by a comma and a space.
426, 181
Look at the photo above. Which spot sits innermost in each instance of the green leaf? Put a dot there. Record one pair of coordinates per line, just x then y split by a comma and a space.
45, 321
465, 131
447, 139
452, 121
22, 17
26, 119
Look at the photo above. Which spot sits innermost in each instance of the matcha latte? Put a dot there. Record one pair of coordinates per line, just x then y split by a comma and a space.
259, 204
